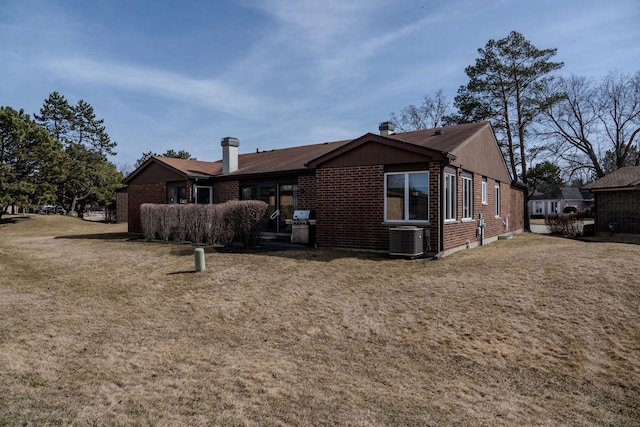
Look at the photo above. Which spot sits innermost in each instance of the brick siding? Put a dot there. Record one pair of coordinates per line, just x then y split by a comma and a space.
224, 191
122, 206
350, 208
621, 207
307, 192
143, 193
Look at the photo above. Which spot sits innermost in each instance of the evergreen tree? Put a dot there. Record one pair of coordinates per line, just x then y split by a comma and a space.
30, 160
86, 144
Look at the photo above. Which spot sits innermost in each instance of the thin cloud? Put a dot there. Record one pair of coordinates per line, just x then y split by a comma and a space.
209, 93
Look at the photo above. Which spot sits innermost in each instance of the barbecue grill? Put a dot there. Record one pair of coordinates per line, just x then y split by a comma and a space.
303, 225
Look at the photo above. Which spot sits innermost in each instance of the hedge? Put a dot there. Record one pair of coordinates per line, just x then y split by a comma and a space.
221, 224
566, 224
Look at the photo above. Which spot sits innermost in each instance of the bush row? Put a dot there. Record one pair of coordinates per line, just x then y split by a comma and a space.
221, 224
565, 224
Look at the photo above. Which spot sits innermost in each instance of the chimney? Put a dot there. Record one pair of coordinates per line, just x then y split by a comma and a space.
229, 154
386, 128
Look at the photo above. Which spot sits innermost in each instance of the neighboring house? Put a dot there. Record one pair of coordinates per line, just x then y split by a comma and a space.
617, 200
560, 200
440, 180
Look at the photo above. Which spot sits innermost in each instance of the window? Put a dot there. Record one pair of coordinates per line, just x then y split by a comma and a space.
537, 208
497, 189
449, 197
553, 207
484, 191
406, 196
467, 198
176, 194
203, 195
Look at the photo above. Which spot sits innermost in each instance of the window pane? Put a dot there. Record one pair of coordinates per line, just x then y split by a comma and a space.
467, 198
449, 196
419, 196
395, 197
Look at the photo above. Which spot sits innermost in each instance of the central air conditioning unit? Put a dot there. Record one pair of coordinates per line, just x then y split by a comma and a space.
406, 241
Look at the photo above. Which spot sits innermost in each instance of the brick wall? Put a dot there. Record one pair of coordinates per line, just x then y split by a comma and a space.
143, 193
350, 208
307, 192
122, 206
224, 191
456, 234
621, 207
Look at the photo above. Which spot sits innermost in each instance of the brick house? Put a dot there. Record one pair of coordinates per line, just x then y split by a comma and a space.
439, 180
617, 200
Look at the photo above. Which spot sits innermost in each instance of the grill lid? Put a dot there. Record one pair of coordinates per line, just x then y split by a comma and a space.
301, 215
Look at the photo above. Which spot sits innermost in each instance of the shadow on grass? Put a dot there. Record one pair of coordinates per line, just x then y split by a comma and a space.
13, 219
102, 236
283, 250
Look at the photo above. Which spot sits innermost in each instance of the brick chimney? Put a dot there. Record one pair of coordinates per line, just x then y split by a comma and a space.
386, 128
229, 154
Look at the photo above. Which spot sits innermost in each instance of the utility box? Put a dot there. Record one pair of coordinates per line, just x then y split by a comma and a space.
406, 241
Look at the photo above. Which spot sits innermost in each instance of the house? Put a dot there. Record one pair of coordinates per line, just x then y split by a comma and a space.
617, 200
560, 200
439, 180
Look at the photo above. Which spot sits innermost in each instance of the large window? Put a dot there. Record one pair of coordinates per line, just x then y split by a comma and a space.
449, 197
407, 196
467, 198
497, 190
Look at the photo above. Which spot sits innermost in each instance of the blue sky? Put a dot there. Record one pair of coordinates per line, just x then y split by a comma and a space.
278, 73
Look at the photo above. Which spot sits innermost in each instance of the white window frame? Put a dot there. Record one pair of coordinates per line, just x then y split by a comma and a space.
484, 191
498, 197
467, 198
538, 207
449, 197
407, 188
553, 207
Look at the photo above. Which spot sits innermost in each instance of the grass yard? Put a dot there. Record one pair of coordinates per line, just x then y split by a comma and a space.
96, 329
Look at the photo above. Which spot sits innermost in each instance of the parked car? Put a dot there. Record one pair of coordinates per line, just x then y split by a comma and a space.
47, 209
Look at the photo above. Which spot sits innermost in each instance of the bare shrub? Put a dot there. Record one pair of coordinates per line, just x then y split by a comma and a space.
205, 224
249, 218
220, 227
149, 229
569, 224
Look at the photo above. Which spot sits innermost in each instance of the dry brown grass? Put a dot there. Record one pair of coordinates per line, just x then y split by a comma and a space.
99, 330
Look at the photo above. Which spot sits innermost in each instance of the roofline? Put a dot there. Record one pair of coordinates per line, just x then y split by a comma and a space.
368, 137
602, 189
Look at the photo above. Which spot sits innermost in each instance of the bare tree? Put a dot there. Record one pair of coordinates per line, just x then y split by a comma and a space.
595, 127
428, 115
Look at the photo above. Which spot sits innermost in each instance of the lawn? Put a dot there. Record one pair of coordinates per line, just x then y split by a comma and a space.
99, 329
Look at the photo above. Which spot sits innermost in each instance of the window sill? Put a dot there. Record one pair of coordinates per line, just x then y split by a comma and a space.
409, 223
468, 220
451, 221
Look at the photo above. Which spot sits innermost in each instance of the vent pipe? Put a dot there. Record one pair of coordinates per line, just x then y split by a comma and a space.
229, 154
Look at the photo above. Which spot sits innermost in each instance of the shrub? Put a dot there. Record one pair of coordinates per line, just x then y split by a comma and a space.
248, 219
221, 224
569, 224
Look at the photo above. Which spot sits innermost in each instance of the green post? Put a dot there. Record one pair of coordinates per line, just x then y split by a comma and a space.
200, 259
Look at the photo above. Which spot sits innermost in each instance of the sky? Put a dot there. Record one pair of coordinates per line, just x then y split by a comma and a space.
183, 75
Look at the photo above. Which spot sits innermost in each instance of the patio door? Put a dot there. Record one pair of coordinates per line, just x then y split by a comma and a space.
279, 196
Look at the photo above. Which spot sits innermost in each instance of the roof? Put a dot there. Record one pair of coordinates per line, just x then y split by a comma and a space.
444, 140
627, 178
561, 193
